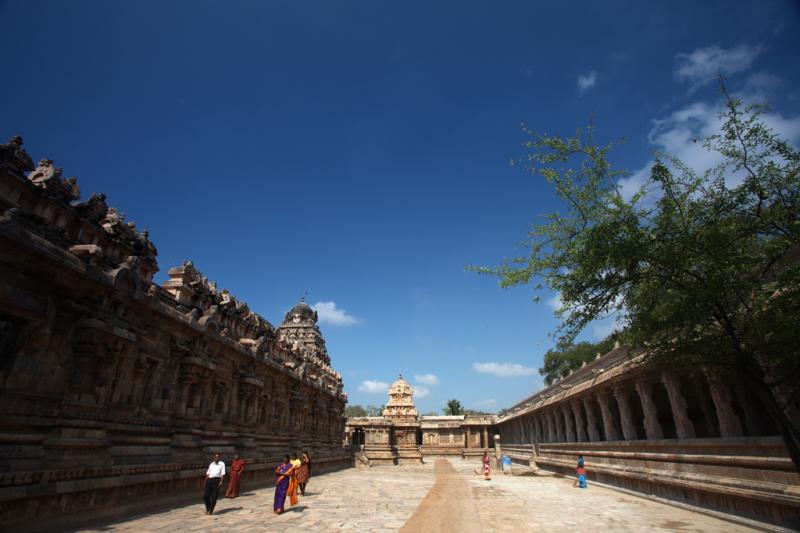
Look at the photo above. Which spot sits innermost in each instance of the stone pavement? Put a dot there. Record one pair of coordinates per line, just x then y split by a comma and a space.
384, 499
550, 503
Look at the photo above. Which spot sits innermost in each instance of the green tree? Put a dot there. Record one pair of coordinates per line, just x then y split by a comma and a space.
474, 412
355, 411
453, 408
703, 267
375, 411
562, 360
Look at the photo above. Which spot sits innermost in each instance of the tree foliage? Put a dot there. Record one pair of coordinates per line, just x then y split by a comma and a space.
453, 408
355, 411
702, 268
358, 411
562, 360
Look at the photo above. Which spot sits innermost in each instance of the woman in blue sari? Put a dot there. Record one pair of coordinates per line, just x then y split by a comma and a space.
284, 473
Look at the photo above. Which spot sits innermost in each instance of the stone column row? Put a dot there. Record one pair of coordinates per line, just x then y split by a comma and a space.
577, 420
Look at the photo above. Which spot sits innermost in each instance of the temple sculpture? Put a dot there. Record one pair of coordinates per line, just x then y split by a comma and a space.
115, 390
681, 436
401, 436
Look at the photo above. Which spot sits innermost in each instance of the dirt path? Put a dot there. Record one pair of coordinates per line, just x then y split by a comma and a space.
448, 507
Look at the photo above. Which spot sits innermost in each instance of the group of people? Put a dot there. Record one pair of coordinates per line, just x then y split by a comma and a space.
292, 474
580, 471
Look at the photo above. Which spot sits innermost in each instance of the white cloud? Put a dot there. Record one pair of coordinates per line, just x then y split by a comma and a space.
420, 391
330, 314
587, 81
503, 370
486, 403
701, 66
682, 133
555, 302
427, 379
374, 386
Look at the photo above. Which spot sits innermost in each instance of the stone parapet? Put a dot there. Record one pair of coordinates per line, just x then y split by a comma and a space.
753, 478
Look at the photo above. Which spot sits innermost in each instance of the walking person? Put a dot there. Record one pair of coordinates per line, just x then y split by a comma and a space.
284, 473
580, 474
487, 470
237, 467
293, 482
214, 476
303, 473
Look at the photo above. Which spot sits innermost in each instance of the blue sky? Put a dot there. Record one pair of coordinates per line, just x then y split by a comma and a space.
359, 150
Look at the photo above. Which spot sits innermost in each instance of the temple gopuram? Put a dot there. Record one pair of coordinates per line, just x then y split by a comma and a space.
687, 438
401, 436
114, 390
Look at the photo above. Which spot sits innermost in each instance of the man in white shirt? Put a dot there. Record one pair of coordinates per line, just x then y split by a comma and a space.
214, 476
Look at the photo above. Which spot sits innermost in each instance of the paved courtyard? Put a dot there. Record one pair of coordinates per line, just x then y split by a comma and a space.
445, 496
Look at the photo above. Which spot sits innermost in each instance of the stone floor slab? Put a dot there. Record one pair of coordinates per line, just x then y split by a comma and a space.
383, 499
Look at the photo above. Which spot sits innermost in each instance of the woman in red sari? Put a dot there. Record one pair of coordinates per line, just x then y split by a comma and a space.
237, 467
303, 473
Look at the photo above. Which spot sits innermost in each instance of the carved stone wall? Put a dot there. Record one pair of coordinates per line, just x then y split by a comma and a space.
114, 391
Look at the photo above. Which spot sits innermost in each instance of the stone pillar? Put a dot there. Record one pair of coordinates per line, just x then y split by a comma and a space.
580, 425
591, 421
625, 413
699, 385
469, 437
729, 423
651, 425
750, 414
485, 437
607, 411
683, 424
551, 427
568, 425
560, 429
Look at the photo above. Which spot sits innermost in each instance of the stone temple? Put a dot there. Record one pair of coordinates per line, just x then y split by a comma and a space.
115, 390
400, 435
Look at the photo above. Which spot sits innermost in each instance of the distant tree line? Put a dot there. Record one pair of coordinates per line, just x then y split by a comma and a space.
452, 408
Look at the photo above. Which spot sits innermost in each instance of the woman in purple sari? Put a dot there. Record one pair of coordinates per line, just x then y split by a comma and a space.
284, 472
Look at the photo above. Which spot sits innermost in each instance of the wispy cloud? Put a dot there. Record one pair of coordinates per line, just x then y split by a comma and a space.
682, 132
427, 379
587, 81
373, 386
701, 66
420, 391
486, 403
503, 370
330, 314
555, 302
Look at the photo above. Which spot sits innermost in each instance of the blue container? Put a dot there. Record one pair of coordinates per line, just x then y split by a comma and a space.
506, 462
